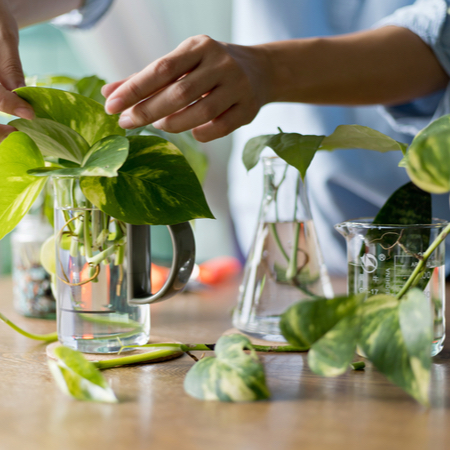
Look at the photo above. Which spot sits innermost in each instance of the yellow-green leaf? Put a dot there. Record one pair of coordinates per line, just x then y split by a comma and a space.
79, 378
19, 190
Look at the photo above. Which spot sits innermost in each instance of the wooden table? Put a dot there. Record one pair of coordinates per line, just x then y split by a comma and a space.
359, 410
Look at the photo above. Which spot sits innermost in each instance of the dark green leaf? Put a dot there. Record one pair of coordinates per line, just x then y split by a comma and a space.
18, 154
397, 339
155, 186
307, 321
408, 205
103, 160
84, 115
252, 150
233, 376
358, 136
79, 378
429, 155
296, 149
54, 139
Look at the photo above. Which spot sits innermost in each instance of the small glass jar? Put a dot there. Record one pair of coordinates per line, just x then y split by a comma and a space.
33, 295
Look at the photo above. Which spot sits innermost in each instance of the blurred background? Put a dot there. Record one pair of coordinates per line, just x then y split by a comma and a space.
131, 35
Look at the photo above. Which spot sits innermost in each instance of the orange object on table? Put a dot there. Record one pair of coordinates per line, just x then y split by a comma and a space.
218, 269
158, 277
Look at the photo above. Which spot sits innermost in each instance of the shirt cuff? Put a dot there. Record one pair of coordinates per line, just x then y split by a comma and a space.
85, 17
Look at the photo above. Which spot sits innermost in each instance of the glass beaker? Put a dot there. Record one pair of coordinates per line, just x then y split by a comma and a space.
285, 264
103, 273
382, 257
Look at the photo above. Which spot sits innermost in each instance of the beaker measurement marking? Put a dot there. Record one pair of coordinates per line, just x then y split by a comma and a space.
87, 311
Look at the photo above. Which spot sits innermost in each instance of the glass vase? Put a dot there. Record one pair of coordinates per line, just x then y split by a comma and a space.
285, 263
103, 273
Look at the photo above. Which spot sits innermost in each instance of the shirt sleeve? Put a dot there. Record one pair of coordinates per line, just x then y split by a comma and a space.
85, 17
430, 20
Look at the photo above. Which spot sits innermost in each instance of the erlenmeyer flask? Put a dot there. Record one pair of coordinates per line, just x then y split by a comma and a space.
285, 264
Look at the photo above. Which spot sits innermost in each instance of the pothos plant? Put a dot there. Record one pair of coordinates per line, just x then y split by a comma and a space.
330, 328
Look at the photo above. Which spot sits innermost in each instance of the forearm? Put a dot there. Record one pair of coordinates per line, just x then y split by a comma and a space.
388, 65
29, 12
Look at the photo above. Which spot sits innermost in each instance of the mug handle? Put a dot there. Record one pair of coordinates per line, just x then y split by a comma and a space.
139, 263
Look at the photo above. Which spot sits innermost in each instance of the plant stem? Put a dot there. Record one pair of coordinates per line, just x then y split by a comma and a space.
291, 271
135, 359
211, 347
51, 337
273, 229
414, 277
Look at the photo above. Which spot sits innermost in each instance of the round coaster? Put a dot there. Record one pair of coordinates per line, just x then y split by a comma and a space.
254, 340
106, 356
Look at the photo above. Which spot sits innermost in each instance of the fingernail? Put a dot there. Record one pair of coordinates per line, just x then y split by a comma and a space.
114, 106
102, 89
126, 122
158, 124
24, 113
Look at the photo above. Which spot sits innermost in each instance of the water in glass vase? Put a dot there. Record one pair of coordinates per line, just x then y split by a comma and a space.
284, 266
94, 315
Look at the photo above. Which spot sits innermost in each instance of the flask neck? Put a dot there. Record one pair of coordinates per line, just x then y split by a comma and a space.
285, 196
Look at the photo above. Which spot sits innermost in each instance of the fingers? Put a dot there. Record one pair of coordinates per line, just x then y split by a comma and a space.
200, 112
11, 73
226, 123
109, 88
153, 78
5, 130
175, 97
10, 103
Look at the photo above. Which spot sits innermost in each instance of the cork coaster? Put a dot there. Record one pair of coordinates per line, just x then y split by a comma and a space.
106, 356
254, 340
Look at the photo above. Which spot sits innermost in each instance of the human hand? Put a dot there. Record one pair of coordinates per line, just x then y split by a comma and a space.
204, 85
11, 74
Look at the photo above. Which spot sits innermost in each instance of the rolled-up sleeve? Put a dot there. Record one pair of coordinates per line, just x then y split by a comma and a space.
430, 20
86, 16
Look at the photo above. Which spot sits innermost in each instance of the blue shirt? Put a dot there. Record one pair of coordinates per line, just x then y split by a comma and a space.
343, 184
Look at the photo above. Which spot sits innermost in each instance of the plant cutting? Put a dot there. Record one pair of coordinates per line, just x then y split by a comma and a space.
393, 330
106, 183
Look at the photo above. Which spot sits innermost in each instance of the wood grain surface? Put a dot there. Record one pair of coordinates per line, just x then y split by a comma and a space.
358, 410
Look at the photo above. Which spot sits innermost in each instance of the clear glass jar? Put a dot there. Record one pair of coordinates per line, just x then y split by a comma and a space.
103, 273
33, 295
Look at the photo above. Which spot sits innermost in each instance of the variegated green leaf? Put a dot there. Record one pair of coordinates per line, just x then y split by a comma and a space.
429, 155
84, 115
103, 160
306, 322
233, 376
54, 139
358, 136
78, 377
253, 149
18, 154
190, 148
155, 186
397, 339
332, 354
298, 150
